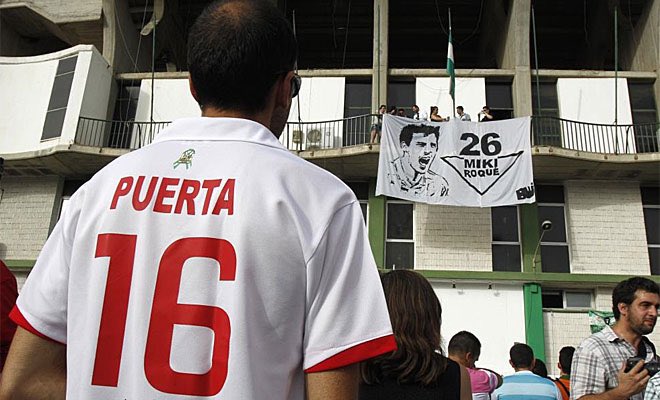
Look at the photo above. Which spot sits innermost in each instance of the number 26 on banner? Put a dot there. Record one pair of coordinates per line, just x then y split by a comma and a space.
165, 313
490, 146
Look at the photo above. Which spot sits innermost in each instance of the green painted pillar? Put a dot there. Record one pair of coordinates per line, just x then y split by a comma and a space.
529, 232
376, 227
534, 329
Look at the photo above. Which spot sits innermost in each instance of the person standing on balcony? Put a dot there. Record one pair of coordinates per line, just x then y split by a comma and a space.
462, 115
435, 117
486, 115
417, 114
378, 124
212, 263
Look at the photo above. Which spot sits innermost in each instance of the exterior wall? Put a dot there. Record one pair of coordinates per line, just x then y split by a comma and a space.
496, 318
97, 88
172, 100
452, 238
470, 93
27, 83
605, 224
59, 11
562, 329
26, 211
21, 276
123, 47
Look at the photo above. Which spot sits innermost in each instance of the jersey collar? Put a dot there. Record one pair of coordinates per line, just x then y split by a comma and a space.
218, 129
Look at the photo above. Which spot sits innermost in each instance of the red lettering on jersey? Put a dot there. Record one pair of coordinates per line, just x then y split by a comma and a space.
165, 193
166, 312
210, 186
123, 188
138, 204
187, 196
226, 198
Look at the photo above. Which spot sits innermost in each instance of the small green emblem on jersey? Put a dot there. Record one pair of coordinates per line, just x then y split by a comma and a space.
185, 159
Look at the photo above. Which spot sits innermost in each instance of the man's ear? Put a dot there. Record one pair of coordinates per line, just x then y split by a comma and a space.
623, 308
282, 90
193, 91
511, 364
533, 364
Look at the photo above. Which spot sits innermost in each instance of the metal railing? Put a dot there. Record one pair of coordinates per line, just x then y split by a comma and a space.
596, 138
116, 134
333, 134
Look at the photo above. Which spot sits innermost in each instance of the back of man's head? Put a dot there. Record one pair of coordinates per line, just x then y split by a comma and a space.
566, 359
522, 356
464, 342
237, 49
625, 292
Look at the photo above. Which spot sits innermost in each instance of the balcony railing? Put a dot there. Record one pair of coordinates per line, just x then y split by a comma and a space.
116, 134
546, 131
596, 138
332, 134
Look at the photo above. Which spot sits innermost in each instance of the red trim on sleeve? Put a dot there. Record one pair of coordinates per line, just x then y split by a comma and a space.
20, 320
356, 354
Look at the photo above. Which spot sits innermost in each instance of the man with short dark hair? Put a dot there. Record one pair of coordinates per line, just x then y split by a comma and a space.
417, 114
212, 263
462, 115
465, 349
564, 365
486, 115
524, 384
598, 368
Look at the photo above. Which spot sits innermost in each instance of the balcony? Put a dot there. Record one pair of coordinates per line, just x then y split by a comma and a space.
355, 131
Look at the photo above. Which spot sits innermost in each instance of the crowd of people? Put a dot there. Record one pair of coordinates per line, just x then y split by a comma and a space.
597, 369
433, 116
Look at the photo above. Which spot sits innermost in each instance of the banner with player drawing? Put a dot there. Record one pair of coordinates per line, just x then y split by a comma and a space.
459, 163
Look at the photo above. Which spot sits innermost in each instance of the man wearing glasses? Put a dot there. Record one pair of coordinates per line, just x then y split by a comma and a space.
212, 263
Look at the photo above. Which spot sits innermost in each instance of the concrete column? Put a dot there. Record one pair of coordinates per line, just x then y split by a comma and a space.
379, 74
516, 55
646, 45
120, 42
377, 224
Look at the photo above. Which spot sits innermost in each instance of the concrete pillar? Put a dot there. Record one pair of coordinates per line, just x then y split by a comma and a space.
379, 74
646, 45
120, 39
377, 228
516, 55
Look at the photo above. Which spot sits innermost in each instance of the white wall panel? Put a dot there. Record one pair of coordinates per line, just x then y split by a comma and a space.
496, 316
470, 93
27, 83
592, 100
320, 99
172, 100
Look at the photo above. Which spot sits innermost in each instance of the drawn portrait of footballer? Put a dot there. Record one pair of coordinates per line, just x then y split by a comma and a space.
411, 171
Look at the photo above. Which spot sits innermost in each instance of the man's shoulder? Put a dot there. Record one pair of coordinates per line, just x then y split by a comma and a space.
597, 340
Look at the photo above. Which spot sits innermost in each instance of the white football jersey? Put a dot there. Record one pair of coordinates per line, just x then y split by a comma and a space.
211, 263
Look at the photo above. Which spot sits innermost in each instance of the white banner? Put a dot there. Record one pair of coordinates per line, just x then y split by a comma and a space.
473, 164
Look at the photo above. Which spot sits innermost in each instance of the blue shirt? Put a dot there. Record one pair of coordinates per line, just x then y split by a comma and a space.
525, 385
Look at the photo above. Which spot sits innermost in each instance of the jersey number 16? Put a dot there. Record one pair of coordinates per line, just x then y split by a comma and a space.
165, 313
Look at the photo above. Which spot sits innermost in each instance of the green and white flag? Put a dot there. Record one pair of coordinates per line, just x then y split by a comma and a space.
450, 66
